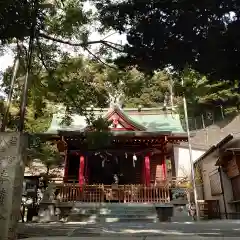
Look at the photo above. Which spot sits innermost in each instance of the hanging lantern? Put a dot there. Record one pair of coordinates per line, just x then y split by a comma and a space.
134, 160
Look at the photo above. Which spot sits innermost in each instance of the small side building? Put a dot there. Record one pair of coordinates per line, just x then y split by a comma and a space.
219, 169
182, 158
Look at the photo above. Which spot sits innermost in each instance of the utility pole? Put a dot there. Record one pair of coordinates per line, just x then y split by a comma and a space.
5, 117
171, 92
190, 154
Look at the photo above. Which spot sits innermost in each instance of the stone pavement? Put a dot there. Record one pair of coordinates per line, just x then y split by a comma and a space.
131, 238
193, 230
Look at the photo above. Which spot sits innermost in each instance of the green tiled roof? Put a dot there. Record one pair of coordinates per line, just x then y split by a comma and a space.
152, 119
164, 122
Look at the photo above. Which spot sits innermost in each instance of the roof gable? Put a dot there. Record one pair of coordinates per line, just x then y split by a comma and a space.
122, 121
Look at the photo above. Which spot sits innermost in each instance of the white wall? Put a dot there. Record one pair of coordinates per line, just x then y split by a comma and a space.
182, 160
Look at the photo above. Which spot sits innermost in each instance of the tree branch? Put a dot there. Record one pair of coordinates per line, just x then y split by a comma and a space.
98, 58
40, 55
106, 43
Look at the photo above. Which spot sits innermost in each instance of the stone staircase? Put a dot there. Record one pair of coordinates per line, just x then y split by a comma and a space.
113, 212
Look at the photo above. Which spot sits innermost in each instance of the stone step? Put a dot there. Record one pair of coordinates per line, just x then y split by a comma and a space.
108, 205
111, 219
145, 220
128, 207
113, 212
117, 211
129, 216
146, 214
113, 215
142, 214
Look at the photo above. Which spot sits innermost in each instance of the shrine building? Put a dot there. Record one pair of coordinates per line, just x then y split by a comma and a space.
136, 166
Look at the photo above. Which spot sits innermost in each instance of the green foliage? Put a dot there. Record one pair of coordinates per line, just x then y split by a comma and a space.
15, 19
100, 137
47, 152
76, 84
202, 34
62, 18
153, 91
204, 95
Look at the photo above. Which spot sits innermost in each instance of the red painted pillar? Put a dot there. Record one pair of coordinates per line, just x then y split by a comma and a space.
164, 168
81, 172
147, 170
143, 172
86, 174
66, 164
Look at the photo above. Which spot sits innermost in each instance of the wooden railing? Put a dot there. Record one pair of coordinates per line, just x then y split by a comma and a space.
119, 193
169, 182
160, 193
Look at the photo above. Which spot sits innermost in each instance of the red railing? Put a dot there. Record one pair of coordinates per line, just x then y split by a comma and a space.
120, 193
160, 193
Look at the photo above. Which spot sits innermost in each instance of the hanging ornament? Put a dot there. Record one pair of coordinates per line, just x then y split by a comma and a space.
103, 160
126, 155
115, 177
103, 163
116, 159
107, 153
134, 160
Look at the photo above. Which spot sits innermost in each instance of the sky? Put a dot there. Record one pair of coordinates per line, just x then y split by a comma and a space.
7, 59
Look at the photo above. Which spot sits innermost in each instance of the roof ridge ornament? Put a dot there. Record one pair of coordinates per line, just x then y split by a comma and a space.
116, 100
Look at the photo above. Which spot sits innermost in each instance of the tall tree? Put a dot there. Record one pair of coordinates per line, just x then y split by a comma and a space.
201, 34
76, 84
155, 91
204, 96
61, 26
15, 19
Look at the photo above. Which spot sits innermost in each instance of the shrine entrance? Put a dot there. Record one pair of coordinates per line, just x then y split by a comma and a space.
106, 168
109, 169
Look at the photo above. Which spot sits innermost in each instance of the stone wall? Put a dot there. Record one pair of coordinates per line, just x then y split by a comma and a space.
12, 148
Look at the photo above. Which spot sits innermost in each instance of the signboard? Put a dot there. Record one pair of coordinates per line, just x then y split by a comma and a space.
232, 168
